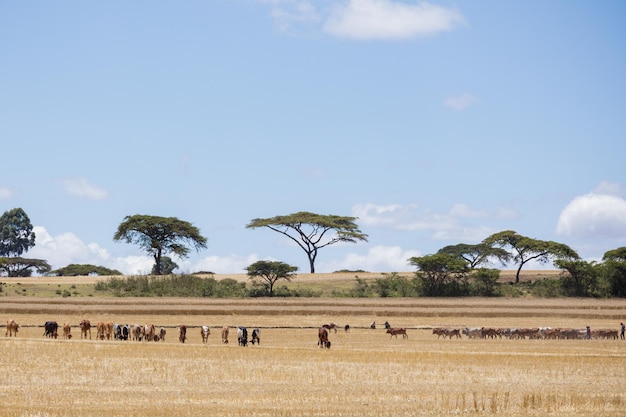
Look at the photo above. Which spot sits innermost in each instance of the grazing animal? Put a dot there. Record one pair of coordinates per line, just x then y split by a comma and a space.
242, 336
108, 330
162, 333
51, 329
137, 332
148, 332
331, 326
387, 325
85, 326
256, 336
67, 331
225, 331
204, 333
322, 338
12, 328
395, 331
346, 327
100, 330
117, 332
373, 325
182, 333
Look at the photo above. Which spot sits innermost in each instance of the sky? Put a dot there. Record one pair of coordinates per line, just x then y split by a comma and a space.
433, 122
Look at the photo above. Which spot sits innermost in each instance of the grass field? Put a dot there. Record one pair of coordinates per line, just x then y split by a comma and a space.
365, 373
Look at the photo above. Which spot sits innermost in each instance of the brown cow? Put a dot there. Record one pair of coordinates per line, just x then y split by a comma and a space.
322, 336
100, 330
137, 332
331, 326
85, 326
162, 333
225, 331
12, 328
395, 331
204, 333
108, 329
182, 333
67, 331
148, 332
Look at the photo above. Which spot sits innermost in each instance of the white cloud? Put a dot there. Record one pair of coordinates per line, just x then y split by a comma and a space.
610, 188
287, 13
377, 259
594, 216
5, 193
460, 102
410, 217
386, 19
80, 187
233, 264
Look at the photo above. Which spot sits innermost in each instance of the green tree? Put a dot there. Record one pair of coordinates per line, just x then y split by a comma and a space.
581, 278
615, 270
167, 266
441, 273
22, 267
75, 270
159, 236
478, 254
313, 231
486, 280
527, 249
269, 272
16, 233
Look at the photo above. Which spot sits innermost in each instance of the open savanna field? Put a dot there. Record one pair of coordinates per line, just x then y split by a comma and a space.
365, 373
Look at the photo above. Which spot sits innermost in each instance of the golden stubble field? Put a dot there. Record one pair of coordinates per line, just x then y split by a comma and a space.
365, 373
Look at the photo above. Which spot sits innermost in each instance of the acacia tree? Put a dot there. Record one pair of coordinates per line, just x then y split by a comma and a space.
439, 273
160, 235
270, 272
526, 249
313, 231
476, 255
615, 270
581, 279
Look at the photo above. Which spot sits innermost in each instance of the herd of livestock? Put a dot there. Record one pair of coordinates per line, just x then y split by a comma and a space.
148, 332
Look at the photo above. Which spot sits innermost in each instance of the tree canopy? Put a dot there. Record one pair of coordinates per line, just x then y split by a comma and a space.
526, 249
476, 255
160, 235
313, 231
16, 233
74, 270
21, 267
270, 272
441, 273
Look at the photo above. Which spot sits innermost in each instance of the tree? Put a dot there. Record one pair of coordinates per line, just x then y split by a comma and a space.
486, 280
526, 249
581, 278
16, 233
476, 255
313, 231
615, 270
74, 270
159, 235
167, 266
441, 273
270, 272
21, 267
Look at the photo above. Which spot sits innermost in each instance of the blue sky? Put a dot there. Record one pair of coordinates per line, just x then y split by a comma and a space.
434, 123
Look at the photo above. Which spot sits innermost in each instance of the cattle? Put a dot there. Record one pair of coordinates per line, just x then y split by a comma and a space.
148, 332
100, 330
256, 336
137, 332
473, 333
322, 338
446, 332
108, 330
331, 326
225, 331
489, 332
346, 328
85, 326
204, 333
117, 331
439, 331
395, 331
162, 333
51, 329
242, 336
387, 325
373, 325
605, 334
67, 331
182, 333
12, 328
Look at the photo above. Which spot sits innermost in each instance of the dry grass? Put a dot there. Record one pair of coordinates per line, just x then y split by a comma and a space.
365, 373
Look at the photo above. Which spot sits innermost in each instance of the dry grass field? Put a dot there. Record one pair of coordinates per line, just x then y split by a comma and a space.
365, 373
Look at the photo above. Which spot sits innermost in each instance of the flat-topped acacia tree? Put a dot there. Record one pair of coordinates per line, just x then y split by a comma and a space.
313, 232
160, 235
